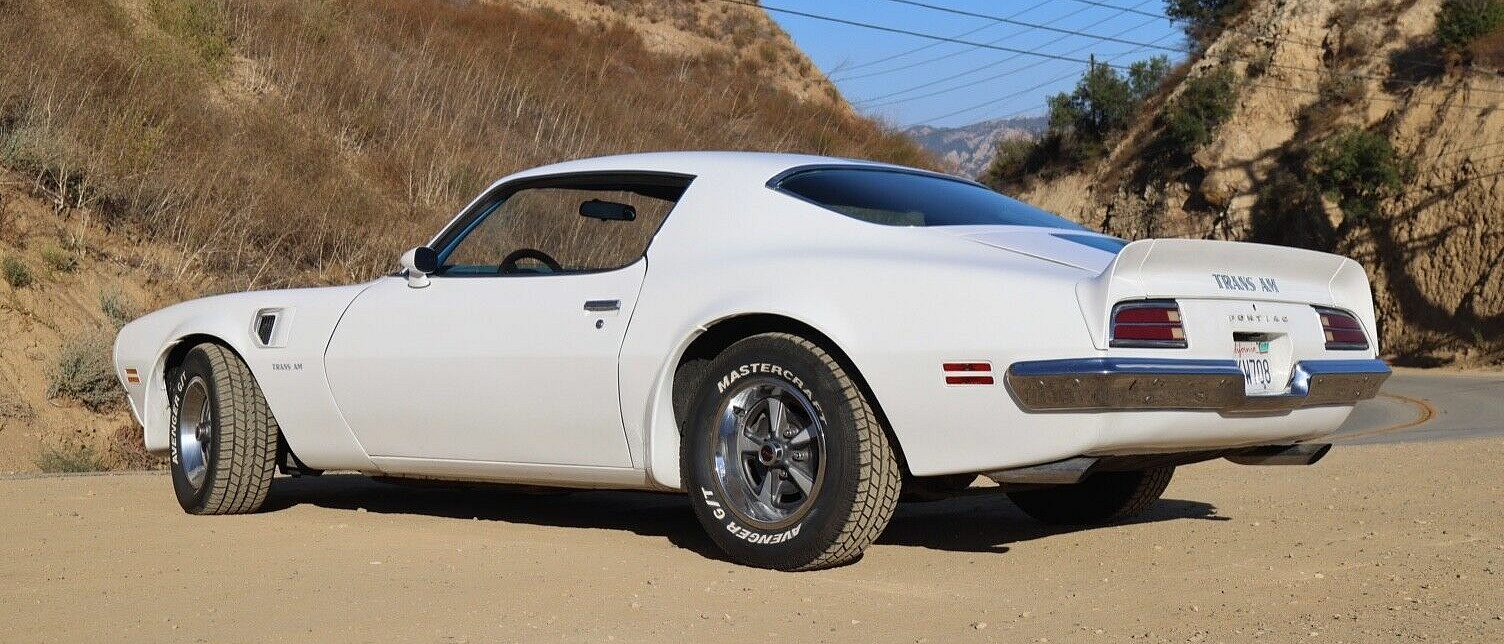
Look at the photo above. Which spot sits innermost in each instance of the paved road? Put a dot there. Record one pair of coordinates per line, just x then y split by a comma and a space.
1419, 405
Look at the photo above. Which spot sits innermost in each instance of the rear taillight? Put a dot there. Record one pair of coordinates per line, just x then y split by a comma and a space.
1342, 330
1147, 323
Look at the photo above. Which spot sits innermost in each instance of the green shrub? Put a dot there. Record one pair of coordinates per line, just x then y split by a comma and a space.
117, 307
69, 457
1203, 19
1009, 163
1102, 105
1360, 169
85, 373
1190, 120
1461, 22
59, 260
16, 272
199, 24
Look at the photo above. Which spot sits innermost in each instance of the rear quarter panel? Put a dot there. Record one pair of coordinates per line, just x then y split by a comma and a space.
898, 301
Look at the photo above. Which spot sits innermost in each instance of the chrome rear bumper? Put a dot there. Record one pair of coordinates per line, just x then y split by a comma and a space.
1156, 383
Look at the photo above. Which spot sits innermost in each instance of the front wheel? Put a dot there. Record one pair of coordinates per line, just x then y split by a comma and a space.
786, 463
1103, 497
223, 436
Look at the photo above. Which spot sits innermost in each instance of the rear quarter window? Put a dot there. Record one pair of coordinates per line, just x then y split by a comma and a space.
893, 197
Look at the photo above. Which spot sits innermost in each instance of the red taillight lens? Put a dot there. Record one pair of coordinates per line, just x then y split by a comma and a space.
1148, 323
1342, 330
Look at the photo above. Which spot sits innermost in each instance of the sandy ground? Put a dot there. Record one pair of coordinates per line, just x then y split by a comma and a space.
1376, 543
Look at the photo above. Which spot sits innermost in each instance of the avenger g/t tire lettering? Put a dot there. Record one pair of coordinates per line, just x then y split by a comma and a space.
786, 463
223, 438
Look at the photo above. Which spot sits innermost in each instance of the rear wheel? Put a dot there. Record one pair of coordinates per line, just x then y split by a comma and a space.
223, 436
786, 464
1103, 497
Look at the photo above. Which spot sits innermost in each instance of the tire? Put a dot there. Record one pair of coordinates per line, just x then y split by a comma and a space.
225, 465
839, 480
1103, 497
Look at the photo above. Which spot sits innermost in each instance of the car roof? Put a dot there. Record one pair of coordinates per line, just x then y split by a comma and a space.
756, 166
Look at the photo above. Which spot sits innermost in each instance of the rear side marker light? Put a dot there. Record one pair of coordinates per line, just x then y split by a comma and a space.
132, 377
1147, 323
1342, 331
968, 373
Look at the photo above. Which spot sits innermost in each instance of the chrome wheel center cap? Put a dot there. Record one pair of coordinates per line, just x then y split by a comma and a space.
770, 454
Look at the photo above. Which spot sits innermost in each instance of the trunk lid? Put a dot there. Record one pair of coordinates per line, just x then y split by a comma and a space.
1195, 269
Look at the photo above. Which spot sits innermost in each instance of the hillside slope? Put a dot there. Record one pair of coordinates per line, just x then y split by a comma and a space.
154, 150
1317, 84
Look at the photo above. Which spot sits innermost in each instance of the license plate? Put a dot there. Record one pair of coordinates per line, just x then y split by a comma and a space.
1253, 359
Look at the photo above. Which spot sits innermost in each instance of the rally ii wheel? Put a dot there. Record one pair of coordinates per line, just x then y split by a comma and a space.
223, 436
1103, 497
785, 462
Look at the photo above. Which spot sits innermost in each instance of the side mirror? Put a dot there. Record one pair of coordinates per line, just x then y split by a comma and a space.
419, 263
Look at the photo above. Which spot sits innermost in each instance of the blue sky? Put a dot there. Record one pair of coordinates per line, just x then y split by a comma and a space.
953, 84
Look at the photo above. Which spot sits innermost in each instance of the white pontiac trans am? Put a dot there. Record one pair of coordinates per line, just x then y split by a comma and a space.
789, 340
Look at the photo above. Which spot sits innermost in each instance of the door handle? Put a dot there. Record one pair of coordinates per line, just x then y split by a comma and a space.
602, 305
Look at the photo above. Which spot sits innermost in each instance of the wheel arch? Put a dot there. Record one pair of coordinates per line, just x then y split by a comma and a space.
178, 351
719, 335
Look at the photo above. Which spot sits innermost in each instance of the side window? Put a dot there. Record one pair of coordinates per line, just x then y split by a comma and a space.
554, 226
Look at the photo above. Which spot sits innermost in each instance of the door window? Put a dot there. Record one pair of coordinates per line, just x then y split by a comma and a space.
560, 226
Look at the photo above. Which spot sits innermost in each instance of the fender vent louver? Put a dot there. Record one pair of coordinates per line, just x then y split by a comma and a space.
266, 324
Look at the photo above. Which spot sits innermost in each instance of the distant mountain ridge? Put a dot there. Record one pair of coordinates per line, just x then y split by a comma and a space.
969, 148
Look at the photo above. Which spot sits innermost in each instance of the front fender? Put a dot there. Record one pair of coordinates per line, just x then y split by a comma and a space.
290, 373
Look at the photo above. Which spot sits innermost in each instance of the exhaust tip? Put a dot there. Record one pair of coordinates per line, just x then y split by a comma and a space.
1301, 454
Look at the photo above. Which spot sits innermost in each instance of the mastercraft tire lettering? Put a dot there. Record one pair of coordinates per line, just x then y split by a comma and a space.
787, 464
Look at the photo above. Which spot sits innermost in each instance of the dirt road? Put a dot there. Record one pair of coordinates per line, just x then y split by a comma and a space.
1395, 542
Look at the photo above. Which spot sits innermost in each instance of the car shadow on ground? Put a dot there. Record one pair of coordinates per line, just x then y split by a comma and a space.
980, 523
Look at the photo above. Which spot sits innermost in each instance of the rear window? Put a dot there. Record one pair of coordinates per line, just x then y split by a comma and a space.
899, 198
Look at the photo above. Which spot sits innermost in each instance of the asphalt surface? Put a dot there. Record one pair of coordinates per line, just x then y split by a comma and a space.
1417, 405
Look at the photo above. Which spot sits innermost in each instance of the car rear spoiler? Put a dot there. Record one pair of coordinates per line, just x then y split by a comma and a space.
1208, 269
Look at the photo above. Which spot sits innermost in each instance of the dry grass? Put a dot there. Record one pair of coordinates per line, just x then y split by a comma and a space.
310, 141
12, 407
85, 373
69, 457
117, 307
125, 450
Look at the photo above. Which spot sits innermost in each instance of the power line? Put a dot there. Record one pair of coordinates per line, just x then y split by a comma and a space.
981, 69
963, 51
1040, 54
1222, 58
905, 32
1133, 9
1068, 32
933, 44
1052, 81
955, 88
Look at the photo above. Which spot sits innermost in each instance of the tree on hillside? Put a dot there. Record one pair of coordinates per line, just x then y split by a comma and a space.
1102, 104
1082, 123
1203, 19
1472, 29
1360, 169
